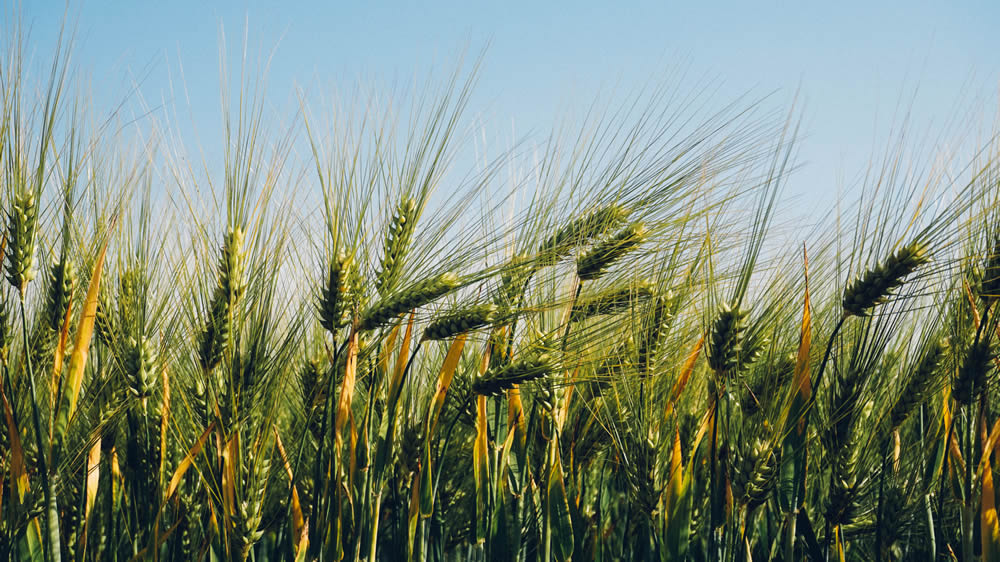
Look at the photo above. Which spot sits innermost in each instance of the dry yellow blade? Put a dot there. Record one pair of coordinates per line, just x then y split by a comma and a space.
404, 355
801, 382
686, 369
413, 516
18, 469
298, 521
480, 467
675, 481
988, 446
182, 468
229, 456
515, 412
164, 419
563, 412
990, 527
390, 344
84, 331
175, 481
57, 362
93, 479
347, 386
444, 381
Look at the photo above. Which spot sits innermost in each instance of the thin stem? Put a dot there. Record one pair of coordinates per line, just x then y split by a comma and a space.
54, 551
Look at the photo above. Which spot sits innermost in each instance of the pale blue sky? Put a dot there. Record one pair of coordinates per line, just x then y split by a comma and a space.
850, 62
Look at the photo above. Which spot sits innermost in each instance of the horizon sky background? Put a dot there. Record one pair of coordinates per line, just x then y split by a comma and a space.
852, 69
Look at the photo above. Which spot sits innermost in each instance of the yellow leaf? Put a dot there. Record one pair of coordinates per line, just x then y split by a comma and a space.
444, 381
57, 362
401, 359
990, 527
93, 479
347, 386
18, 469
298, 521
84, 331
686, 369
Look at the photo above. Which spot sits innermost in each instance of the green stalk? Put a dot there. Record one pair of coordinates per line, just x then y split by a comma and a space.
53, 552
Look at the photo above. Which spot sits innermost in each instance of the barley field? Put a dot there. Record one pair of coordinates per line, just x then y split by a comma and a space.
618, 344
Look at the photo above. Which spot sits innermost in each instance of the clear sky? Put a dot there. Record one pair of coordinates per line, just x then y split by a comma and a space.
850, 63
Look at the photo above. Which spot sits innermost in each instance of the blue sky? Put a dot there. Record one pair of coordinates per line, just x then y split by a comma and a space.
849, 63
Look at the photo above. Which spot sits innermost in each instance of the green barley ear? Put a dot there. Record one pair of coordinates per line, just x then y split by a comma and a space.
754, 470
526, 369
875, 286
104, 321
579, 231
918, 387
22, 219
333, 303
140, 367
653, 333
62, 282
725, 341
762, 393
971, 379
231, 264
415, 296
249, 509
611, 301
593, 262
461, 321
513, 282
216, 335
397, 244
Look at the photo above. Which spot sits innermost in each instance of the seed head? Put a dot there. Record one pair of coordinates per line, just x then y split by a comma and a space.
612, 301
22, 218
140, 370
920, 383
333, 304
876, 285
415, 296
529, 368
397, 244
971, 378
580, 231
461, 321
725, 341
594, 262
